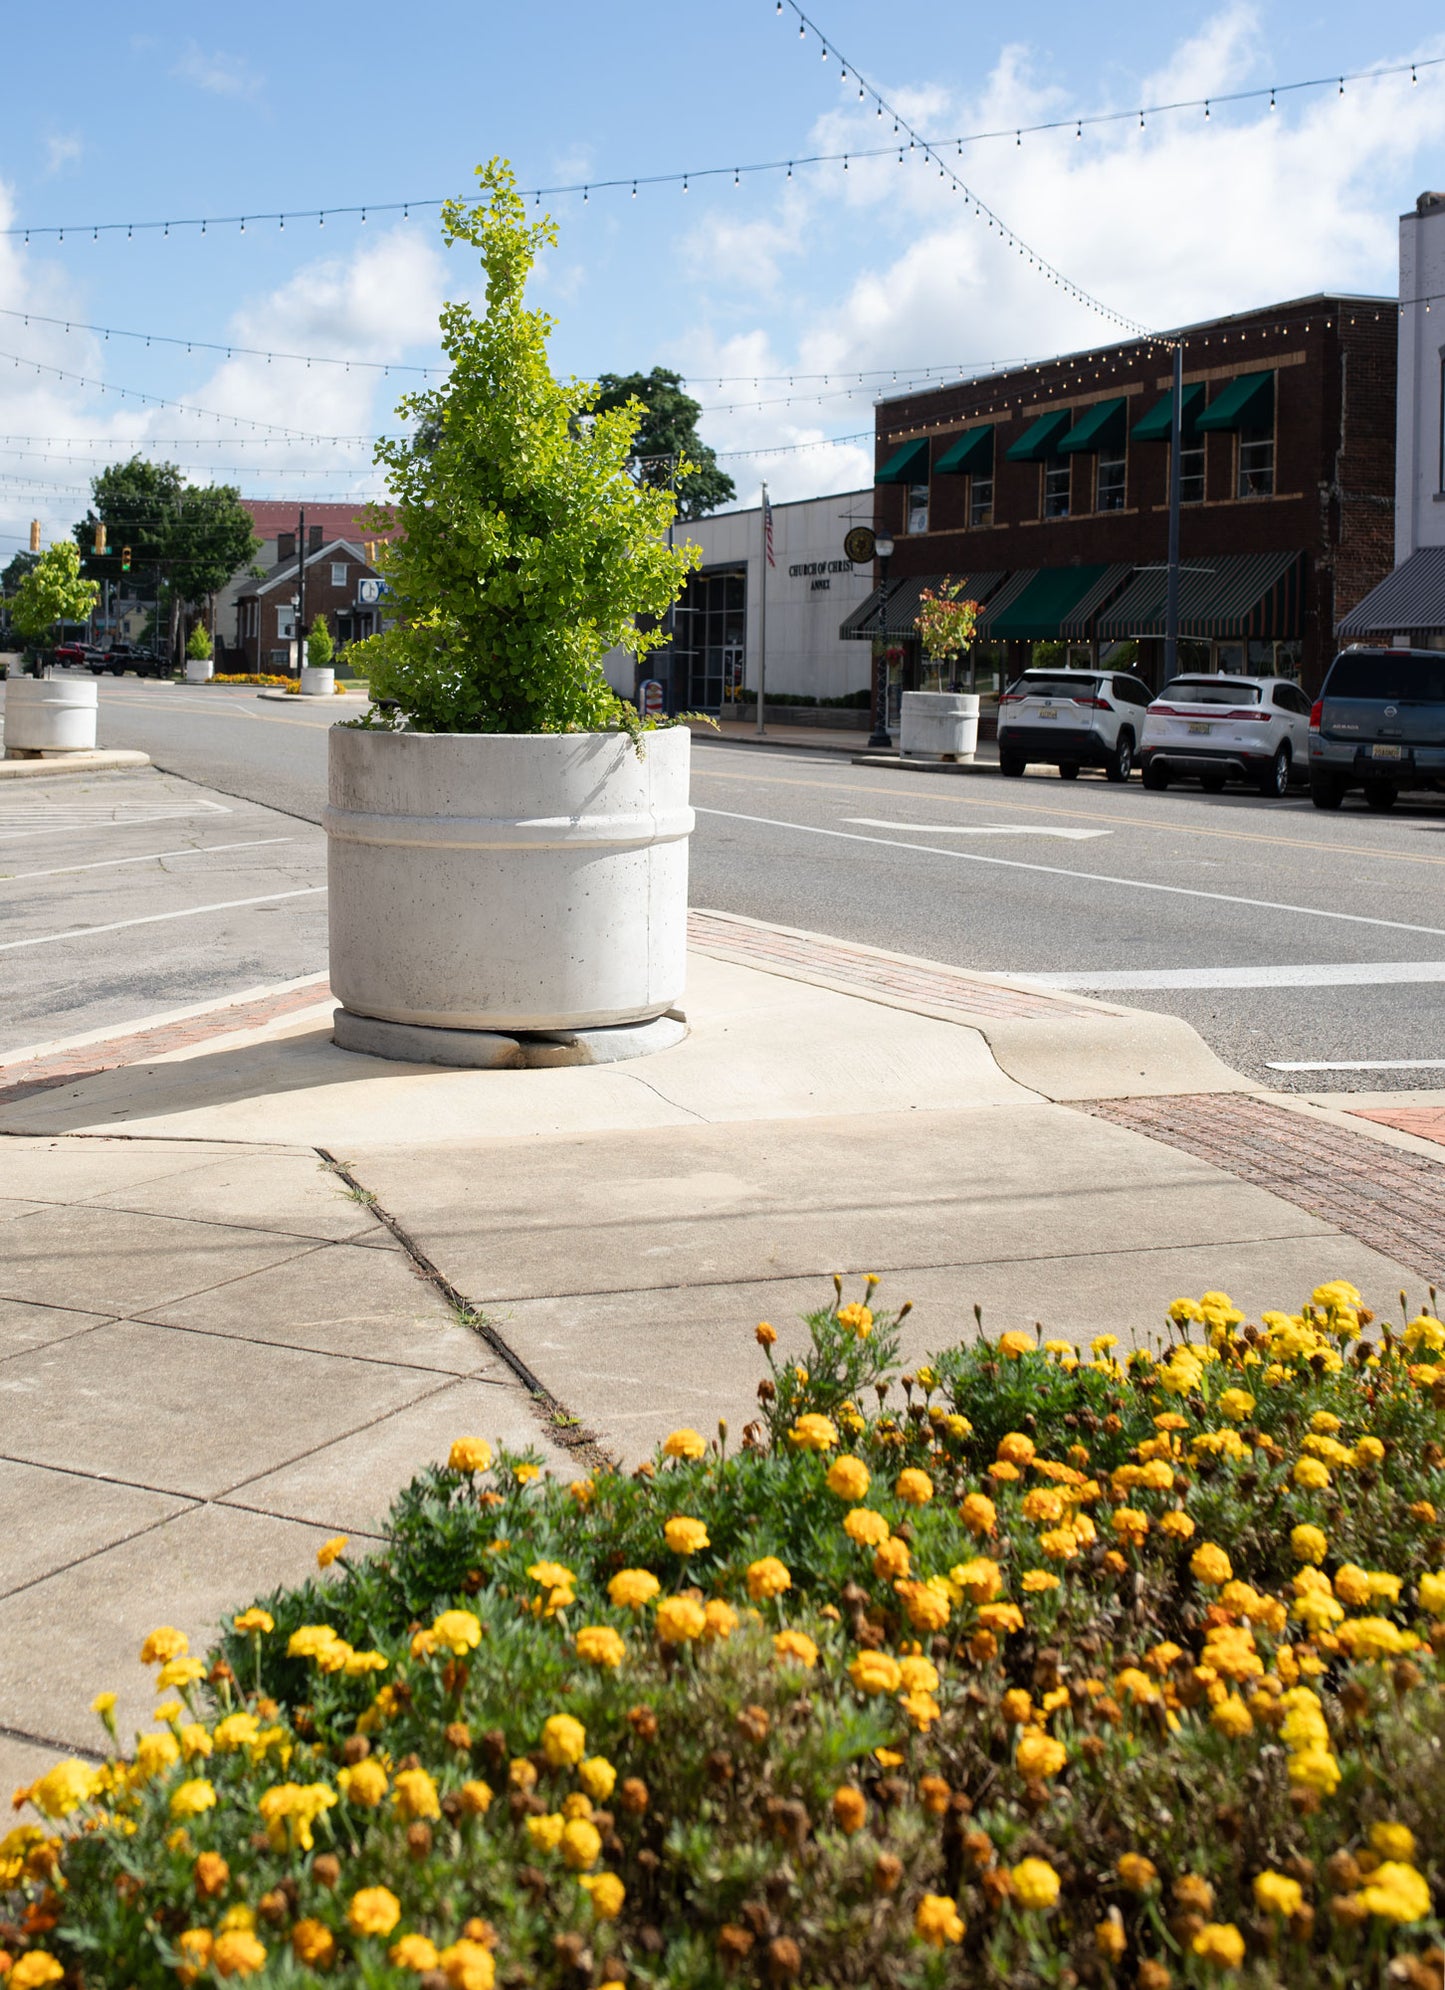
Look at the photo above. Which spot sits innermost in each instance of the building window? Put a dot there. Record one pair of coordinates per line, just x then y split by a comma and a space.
285, 625
339, 572
1256, 462
980, 500
1056, 487
1109, 490
1191, 473
710, 638
918, 507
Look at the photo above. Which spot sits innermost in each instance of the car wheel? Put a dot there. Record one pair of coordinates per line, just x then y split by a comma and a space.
1274, 781
1326, 790
1011, 765
1155, 775
1069, 771
1121, 761
1380, 795
1212, 784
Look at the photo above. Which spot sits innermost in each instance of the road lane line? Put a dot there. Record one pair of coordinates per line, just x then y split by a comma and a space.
151, 857
158, 918
1333, 974
1082, 877
1373, 1064
981, 828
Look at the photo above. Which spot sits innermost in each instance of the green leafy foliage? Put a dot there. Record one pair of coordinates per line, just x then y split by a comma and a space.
192, 537
526, 551
319, 647
667, 449
52, 592
198, 643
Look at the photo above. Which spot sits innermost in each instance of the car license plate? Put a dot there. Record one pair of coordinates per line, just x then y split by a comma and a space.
1199, 725
1386, 752
1048, 711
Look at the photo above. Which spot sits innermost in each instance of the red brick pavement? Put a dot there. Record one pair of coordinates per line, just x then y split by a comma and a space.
1426, 1122
1391, 1199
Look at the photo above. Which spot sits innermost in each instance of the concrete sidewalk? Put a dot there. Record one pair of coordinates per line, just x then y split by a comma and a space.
249, 1283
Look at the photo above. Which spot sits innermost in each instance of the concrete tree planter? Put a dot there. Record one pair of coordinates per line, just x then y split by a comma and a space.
50, 715
318, 681
484, 884
939, 724
200, 669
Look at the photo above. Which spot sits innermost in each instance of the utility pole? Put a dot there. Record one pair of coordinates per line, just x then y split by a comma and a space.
301, 590
766, 527
1171, 592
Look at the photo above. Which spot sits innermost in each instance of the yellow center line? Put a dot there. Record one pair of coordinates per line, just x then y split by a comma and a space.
1014, 806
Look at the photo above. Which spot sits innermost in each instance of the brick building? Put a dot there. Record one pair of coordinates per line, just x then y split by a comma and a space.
275, 522
1045, 489
337, 571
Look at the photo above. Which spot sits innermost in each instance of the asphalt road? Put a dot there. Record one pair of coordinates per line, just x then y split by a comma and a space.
1282, 934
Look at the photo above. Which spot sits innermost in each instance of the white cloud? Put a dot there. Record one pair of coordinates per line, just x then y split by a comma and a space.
219, 72
63, 149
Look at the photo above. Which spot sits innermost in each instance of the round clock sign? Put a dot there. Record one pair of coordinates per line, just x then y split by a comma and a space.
859, 545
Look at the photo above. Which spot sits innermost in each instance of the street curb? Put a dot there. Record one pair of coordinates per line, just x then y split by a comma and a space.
165, 1018
313, 697
98, 761
897, 762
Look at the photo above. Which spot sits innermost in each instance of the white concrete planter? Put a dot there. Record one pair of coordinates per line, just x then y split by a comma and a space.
939, 724
200, 669
50, 714
484, 881
318, 682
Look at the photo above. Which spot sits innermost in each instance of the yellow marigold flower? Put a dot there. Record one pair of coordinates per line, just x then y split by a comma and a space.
937, 1921
913, 1486
331, 1551
181, 1672
598, 1777
1035, 1884
236, 1731
289, 1810
38, 1967
1042, 1504
458, 1630
978, 1513
1310, 1474
607, 1893
767, 1577
476, 1797
581, 1844
1017, 1707
468, 1965
1013, 1346
684, 1536
891, 1560
629, 1589
1432, 1593
469, 1454
1220, 1944
1131, 1524
865, 1526
524, 1474
313, 1942
980, 1579
1352, 1584
1276, 1894
522, 1775
600, 1645
1038, 1754
154, 1753
1060, 1544
1396, 1892
414, 1952
1014, 1448
310, 1639
237, 1953
564, 1741
415, 1794
1001, 1617
1036, 1581
1236, 1404
363, 1783
812, 1432
856, 1319
1109, 1937
1308, 1544
1314, 1769
721, 1620
1232, 1717
796, 1645
849, 1478
764, 1335
875, 1672
1375, 1637
850, 1809
163, 1645
1176, 1524
1210, 1565
189, 1799
680, 1620
684, 1443
1003, 1473
927, 1603
65, 1787
1136, 1873
546, 1831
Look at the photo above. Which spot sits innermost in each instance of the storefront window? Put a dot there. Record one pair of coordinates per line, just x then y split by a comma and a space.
918, 507
1109, 490
980, 500
1056, 487
710, 638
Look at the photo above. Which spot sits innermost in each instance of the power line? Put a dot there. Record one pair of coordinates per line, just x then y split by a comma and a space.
108, 332
182, 407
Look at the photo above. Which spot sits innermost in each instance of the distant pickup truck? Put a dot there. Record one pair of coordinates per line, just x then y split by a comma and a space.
121, 657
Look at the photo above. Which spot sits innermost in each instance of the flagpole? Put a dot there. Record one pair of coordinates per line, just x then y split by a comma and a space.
763, 612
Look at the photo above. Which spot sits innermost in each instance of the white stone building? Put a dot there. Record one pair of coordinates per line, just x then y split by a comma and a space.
810, 588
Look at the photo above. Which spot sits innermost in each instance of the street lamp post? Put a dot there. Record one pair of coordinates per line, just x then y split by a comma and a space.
878, 739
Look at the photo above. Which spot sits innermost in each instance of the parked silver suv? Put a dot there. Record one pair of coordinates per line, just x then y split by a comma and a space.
1378, 725
1071, 719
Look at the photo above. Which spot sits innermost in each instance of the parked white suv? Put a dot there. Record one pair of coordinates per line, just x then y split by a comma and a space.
1218, 728
1071, 719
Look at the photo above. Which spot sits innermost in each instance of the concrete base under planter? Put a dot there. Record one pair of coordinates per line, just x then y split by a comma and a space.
492, 1050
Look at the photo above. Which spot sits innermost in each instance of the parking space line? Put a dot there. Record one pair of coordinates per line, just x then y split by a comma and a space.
982, 828
151, 857
159, 918
1331, 974
1371, 1064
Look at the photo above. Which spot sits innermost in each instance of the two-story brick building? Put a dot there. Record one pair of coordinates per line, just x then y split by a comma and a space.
1045, 490
337, 576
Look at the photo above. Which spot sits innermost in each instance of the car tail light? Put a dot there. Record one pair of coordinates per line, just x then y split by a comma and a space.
1250, 712
1095, 704
1012, 698
1317, 715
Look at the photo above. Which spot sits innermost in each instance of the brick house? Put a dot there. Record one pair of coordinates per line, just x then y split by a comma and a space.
1045, 488
265, 615
275, 522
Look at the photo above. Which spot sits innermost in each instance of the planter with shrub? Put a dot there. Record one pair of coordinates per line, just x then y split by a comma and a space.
45, 714
318, 678
200, 662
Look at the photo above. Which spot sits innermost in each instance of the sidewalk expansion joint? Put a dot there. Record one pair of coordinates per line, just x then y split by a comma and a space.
561, 1426
1388, 1198
49, 1742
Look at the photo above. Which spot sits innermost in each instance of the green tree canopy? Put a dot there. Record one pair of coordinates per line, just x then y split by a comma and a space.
527, 550
15, 572
52, 592
191, 536
668, 429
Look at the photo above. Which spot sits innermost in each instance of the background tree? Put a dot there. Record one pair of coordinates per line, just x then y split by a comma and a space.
16, 571
668, 428
51, 593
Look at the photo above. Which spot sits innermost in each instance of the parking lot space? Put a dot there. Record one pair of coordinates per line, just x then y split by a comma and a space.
126, 894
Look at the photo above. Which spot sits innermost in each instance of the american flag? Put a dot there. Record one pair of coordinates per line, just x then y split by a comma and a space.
768, 527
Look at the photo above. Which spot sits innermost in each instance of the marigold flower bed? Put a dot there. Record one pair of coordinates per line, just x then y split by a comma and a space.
1035, 1666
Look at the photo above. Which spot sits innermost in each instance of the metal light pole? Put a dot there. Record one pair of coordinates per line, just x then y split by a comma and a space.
878, 739
301, 590
763, 615
1171, 592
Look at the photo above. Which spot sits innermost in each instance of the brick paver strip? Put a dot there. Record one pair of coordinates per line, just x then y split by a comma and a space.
43, 1074
812, 957
1425, 1122
1389, 1198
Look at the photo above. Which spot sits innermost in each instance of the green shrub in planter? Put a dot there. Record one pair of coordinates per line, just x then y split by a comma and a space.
1030, 1667
319, 647
198, 643
526, 551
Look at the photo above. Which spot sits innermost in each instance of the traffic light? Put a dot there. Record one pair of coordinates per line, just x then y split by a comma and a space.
100, 539
35, 535
125, 559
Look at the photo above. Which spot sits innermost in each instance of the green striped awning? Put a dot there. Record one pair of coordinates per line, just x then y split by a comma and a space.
973, 451
1095, 429
1246, 402
1040, 439
890, 610
1078, 624
908, 465
1258, 596
1158, 424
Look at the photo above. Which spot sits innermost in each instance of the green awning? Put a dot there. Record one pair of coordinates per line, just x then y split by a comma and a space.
908, 465
1247, 402
1040, 439
1233, 596
973, 451
1036, 612
1095, 429
1158, 424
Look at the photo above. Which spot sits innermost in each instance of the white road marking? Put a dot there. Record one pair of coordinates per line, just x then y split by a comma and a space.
1374, 1064
1332, 974
151, 857
159, 918
22, 823
1082, 877
981, 829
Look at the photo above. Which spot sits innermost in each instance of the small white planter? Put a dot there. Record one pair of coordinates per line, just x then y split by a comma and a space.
50, 714
483, 881
941, 725
200, 669
318, 681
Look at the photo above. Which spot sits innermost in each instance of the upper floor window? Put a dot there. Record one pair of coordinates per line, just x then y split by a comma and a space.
339, 571
1056, 487
980, 500
1191, 473
917, 508
1256, 462
1109, 488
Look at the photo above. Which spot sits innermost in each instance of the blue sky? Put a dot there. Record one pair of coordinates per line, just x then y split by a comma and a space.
160, 111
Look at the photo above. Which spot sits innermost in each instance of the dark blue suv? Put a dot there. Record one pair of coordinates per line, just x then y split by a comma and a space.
1378, 725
